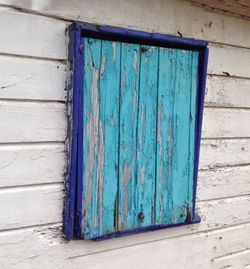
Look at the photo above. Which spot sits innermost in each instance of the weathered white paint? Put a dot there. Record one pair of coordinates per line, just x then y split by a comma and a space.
226, 60
224, 182
169, 17
31, 122
227, 92
227, 152
25, 206
29, 164
220, 122
31, 35
32, 157
29, 79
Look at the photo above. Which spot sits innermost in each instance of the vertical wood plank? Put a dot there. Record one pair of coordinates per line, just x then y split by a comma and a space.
182, 163
146, 145
92, 62
109, 134
130, 59
101, 116
165, 140
175, 134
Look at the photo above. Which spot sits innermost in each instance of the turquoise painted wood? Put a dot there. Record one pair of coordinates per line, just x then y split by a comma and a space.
139, 126
146, 144
128, 196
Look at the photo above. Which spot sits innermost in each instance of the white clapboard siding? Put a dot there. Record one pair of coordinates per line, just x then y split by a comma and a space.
24, 78
32, 35
43, 163
227, 92
238, 260
231, 60
31, 164
27, 206
224, 182
30, 122
224, 212
219, 153
219, 123
47, 201
163, 16
42, 247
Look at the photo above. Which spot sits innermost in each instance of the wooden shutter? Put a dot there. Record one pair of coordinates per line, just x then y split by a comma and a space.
139, 105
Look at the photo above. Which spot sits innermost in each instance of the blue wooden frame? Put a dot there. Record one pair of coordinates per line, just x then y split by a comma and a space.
73, 183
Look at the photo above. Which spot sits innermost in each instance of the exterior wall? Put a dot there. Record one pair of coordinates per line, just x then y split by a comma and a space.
33, 52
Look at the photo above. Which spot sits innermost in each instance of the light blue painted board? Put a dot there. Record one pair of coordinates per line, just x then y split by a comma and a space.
146, 137
182, 161
109, 125
92, 63
130, 61
193, 96
165, 140
101, 119
175, 134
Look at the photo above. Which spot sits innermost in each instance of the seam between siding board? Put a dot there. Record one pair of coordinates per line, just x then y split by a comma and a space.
233, 254
61, 61
186, 236
15, 8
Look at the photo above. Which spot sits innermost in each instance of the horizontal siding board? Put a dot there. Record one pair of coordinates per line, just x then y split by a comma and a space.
179, 250
224, 182
238, 260
219, 123
31, 164
219, 153
30, 206
49, 247
32, 35
227, 92
169, 17
227, 60
43, 163
32, 122
31, 79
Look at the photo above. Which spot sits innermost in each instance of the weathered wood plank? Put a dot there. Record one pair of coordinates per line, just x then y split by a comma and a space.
204, 248
176, 109
224, 182
101, 119
32, 35
238, 260
49, 247
29, 206
219, 123
31, 79
31, 164
147, 134
92, 63
130, 64
236, 7
227, 92
31, 122
219, 153
109, 134
226, 60
183, 125
169, 17
165, 142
